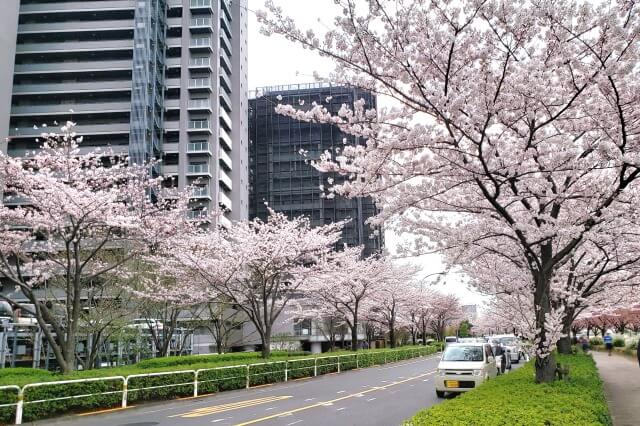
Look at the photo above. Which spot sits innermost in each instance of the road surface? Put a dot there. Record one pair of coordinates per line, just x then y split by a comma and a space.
384, 395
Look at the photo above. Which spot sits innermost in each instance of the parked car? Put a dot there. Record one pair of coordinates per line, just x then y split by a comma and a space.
512, 343
450, 339
146, 324
464, 366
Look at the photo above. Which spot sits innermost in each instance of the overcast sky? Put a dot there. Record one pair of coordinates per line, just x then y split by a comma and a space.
275, 61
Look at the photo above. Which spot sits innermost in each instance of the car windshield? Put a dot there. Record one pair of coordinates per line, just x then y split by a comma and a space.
463, 353
507, 340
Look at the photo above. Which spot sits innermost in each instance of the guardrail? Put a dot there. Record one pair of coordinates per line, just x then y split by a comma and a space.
114, 391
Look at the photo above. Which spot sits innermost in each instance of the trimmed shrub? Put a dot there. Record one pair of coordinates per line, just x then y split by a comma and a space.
348, 362
270, 372
328, 364
238, 357
618, 342
300, 368
222, 379
161, 386
596, 341
516, 399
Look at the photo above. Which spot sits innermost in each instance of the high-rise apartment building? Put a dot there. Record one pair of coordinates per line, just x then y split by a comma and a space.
155, 79
282, 180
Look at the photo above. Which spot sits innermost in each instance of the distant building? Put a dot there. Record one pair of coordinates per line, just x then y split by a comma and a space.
470, 313
280, 178
8, 33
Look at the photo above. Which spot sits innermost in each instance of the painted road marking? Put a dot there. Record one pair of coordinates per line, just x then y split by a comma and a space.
215, 409
341, 392
326, 403
108, 410
341, 408
294, 423
309, 399
371, 399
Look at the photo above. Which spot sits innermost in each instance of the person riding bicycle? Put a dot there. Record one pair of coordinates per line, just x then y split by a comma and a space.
608, 342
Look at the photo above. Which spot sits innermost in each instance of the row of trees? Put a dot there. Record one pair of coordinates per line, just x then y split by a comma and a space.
85, 237
511, 147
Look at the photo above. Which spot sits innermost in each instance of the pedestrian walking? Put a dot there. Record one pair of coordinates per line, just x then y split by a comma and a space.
608, 342
585, 344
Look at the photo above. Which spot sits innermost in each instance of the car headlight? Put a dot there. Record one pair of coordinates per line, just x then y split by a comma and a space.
440, 372
477, 372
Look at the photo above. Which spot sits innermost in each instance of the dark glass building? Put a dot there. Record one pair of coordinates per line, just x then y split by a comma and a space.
280, 178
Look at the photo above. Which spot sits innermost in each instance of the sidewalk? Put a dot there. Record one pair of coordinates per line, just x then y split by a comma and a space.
621, 377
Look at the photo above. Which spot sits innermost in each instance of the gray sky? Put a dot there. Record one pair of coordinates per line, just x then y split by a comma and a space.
276, 61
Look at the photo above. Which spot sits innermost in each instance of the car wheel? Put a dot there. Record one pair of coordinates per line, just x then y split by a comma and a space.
518, 360
440, 394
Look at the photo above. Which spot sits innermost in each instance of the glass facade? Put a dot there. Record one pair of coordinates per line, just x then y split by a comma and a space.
278, 174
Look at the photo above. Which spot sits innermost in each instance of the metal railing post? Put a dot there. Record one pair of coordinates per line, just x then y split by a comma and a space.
315, 367
338, 363
195, 384
384, 354
124, 392
286, 370
247, 376
20, 406
357, 363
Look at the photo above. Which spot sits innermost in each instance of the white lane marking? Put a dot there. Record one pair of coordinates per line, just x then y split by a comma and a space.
341, 391
371, 399
221, 420
309, 399
400, 377
286, 415
411, 386
270, 408
294, 423
425, 380
384, 381
341, 408
359, 395
327, 404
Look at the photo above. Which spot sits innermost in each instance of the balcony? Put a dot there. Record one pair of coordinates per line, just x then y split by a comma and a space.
62, 67
198, 170
74, 46
75, 26
224, 159
170, 104
172, 83
224, 201
224, 222
225, 139
93, 86
172, 148
63, 109
173, 63
87, 129
199, 104
225, 7
225, 62
200, 192
197, 214
169, 169
171, 126
200, 62
77, 6
201, 25
174, 42
224, 81
198, 148
225, 180
225, 101
225, 44
225, 120
225, 25
201, 43
199, 125
200, 84
201, 5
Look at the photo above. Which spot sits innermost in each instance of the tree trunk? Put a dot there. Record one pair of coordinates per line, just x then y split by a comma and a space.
564, 344
266, 342
392, 335
354, 336
545, 362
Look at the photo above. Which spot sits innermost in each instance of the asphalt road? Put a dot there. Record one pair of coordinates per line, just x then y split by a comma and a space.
384, 395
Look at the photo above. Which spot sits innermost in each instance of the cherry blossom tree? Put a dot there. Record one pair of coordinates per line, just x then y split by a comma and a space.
70, 223
259, 266
391, 302
348, 289
445, 311
517, 119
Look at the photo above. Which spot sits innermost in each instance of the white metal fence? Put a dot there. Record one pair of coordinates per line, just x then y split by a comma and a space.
242, 375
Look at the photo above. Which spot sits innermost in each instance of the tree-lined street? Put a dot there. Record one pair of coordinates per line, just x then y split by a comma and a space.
384, 395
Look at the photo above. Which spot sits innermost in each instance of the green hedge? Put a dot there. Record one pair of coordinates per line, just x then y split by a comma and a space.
618, 342
187, 360
515, 399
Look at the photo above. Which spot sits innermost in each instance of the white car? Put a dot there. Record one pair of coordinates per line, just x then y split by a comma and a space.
464, 366
512, 343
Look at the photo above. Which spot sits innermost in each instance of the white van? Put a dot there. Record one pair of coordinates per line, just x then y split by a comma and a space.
464, 366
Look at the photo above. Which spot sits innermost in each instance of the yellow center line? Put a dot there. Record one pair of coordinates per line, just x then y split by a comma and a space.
205, 411
325, 403
107, 410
